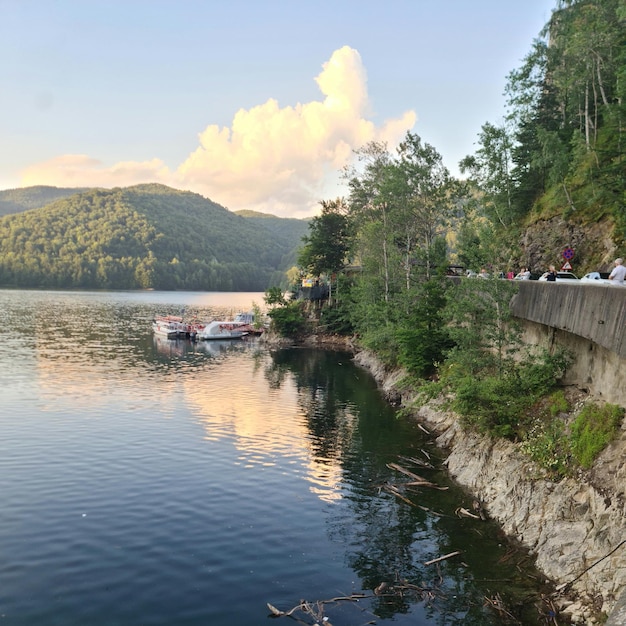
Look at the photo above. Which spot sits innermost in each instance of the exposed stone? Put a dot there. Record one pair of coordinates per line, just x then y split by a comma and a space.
544, 241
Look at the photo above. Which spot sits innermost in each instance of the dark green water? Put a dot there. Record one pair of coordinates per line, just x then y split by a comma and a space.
160, 482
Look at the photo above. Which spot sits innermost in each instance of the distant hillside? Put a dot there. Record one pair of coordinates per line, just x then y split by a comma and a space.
18, 200
287, 228
147, 236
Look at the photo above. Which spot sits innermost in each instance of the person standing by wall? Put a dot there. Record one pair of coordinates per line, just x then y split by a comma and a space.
619, 272
551, 277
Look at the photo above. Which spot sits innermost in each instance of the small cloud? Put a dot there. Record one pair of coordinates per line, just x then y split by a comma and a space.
280, 160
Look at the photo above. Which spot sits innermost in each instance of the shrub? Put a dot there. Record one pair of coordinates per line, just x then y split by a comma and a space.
557, 403
548, 446
490, 404
288, 320
593, 429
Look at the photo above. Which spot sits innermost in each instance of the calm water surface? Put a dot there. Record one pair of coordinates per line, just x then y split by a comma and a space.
157, 482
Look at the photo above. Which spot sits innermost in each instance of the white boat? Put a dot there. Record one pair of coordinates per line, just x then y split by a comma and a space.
249, 321
222, 329
169, 326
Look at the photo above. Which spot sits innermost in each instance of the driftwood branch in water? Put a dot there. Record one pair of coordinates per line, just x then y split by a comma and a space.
443, 558
315, 609
417, 480
418, 462
497, 604
461, 512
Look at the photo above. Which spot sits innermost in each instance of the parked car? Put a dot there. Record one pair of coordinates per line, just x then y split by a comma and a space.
598, 278
560, 277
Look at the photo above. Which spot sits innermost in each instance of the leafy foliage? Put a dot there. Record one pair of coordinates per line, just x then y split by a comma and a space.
288, 316
327, 244
547, 444
561, 150
422, 335
499, 404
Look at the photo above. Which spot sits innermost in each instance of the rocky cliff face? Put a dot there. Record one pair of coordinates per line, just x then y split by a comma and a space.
544, 241
576, 528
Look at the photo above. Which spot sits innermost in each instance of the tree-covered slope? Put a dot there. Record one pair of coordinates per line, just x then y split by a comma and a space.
290, 229
23, 199
147, 236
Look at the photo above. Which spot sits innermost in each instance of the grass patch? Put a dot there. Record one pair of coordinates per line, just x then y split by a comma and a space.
594, 428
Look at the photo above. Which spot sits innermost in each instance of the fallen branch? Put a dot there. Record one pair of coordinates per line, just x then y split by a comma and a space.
316, 609
461, 512
418, 462
396, 492
497, 604
418, 481
443, 558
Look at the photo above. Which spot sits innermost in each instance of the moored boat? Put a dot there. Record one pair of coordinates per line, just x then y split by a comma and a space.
222, 329
249, 324
174, 327
169, 326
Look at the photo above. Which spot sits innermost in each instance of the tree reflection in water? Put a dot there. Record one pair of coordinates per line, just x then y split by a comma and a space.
387, 541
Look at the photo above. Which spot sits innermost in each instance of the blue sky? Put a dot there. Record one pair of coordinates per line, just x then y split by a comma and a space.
253, 104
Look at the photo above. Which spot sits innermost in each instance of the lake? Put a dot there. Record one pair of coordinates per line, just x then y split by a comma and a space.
160, 482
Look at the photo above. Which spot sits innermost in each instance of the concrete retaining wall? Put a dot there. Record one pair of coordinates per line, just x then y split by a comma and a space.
587, 320
595, 312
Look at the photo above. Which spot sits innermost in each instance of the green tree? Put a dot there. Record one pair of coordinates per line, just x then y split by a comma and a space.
328, 242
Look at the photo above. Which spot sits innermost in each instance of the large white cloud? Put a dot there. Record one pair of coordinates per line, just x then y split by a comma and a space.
271, 159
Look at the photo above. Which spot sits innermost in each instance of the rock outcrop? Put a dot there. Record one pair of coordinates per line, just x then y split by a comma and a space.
593, 243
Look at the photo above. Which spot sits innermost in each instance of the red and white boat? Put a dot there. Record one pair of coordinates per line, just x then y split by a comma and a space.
170, 326
222, 329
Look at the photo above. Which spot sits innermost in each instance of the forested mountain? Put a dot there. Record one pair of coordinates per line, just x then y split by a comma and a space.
18, 200
147, 236
285, 228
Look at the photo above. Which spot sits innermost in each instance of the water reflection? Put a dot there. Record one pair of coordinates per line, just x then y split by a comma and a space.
387, 542
268, 467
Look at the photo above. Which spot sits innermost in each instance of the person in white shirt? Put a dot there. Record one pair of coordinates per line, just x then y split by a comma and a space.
619, 272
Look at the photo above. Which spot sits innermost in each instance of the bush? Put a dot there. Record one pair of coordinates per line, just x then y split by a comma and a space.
491, 404
288, 320
594, 428
548, 446
500, 405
